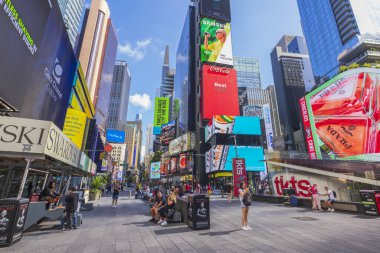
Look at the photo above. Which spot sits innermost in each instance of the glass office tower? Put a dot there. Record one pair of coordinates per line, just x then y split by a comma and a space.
340, 32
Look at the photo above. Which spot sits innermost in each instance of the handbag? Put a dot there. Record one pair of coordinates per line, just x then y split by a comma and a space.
170, 213
247, 199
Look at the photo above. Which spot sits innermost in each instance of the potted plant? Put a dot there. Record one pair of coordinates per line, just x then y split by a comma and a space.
96, 186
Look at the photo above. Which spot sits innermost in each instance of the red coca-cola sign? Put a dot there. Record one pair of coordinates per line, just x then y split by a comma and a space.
240, 174
219, 92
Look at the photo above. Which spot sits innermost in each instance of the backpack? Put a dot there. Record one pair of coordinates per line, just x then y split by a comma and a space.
334, 194
247, 199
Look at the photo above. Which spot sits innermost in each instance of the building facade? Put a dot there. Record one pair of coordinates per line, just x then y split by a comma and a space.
149, 138
119, 99
133, 134
340, 32
167, 82
72, 11
119, 156
292, 74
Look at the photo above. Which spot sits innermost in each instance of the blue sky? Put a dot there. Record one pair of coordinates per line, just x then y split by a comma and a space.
144, 27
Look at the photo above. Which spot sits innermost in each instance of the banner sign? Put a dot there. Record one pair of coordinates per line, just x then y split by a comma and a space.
216, 42
240, 174
268, 126
168, 132
155, 170
115, 136
182, 144
341, 117
161, 113
75, 126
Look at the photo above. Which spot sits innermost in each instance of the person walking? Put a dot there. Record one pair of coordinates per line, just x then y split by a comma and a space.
69, 210
228, 190
331, 198
315, 197
244, 196
115, 195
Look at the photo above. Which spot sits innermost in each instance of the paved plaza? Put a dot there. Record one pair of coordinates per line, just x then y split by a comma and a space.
275, 229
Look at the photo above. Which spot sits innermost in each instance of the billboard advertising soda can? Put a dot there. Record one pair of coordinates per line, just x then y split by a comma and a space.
115, 136
37, 69
155, 170
161, 113
216, 44
219, 91
342, 117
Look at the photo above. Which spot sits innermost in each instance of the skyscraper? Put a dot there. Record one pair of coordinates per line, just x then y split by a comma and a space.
291, 73
249, 81
149, 139
340, 30
133, 136
72, 11
119, 99
97, 48
167, 82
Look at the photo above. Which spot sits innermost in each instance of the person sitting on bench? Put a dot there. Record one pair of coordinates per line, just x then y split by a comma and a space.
48, 194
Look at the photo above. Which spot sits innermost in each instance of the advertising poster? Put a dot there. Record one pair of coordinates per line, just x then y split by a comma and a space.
8, 213
20, 221
168, 132
173, 165
252, 111
220, 158
155, 170
182, 162
225, 124
161, 113
243, 99
37, 69
216, 45
182, 144
268, 126
115, 136
240, 174
217, 9
81, 95
219, 92
164, 169
342, 117
75, 126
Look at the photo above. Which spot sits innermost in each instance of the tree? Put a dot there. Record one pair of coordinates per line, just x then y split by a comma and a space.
156, 157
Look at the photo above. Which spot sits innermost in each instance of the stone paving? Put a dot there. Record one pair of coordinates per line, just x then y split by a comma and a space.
275, 229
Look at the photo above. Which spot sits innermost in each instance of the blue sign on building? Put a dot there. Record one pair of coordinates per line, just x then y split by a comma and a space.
115, 136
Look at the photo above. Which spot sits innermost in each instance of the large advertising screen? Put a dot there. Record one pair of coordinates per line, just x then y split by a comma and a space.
342, 117
75, 126
218, 9
220, 158
216, 45
115, 136
37, 69
224, 124
155, 170
268, 126
168, 132
219, 92
161, 113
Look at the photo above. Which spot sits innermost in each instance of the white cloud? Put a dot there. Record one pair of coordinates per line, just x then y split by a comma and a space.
162, 53
138, 52
141, 100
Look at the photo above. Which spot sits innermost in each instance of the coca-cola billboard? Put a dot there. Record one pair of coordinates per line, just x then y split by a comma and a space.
219, 92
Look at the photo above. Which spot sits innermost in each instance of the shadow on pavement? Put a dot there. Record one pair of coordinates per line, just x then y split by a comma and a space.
151, 224
220, 232
172, 231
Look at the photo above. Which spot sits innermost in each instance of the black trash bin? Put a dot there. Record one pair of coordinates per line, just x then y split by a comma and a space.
13, 214
198, 211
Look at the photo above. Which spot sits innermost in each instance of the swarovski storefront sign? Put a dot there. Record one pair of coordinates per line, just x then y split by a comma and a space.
182, 144
19, 135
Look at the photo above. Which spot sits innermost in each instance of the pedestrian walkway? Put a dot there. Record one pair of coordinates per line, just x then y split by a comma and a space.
275, 229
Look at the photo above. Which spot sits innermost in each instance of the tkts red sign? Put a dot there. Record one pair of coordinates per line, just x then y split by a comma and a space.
240, 174
300, 186
219, 92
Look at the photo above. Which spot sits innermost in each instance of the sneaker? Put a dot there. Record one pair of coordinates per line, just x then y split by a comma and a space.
152, 220
155, 221
244, 228
332, 210
63, 229
329, 209
248, 227
164, 223
161, 221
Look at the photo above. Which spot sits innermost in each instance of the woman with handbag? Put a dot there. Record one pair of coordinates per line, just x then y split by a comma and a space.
245, 202
169, 210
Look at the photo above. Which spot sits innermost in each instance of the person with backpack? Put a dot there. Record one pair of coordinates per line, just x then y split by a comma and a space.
245, 202
331, 198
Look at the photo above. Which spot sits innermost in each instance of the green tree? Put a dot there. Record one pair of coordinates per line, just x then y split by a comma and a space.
156, 157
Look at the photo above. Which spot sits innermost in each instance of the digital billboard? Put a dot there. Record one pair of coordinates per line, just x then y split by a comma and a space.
216, 45
37, 69
220, 158
161, 113
218, 9
155, 170
219, 92
243, 99
115, 136
268, 126
75, 126
341, 117
168, 132
232, 125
